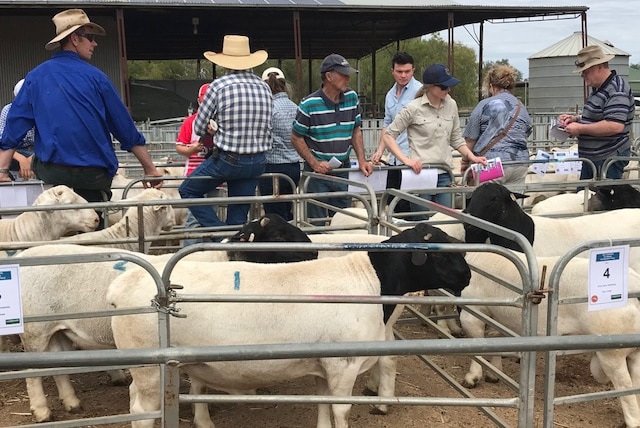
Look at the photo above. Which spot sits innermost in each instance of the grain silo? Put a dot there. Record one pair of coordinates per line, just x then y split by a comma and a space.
553, 87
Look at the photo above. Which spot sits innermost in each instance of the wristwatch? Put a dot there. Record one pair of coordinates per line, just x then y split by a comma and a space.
4, 170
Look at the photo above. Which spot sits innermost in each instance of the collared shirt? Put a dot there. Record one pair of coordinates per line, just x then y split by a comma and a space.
490, 117
284, 113
327, 127
241, 104
27, 142
393, 104
432, 132
75, 110
186, 136
613, 101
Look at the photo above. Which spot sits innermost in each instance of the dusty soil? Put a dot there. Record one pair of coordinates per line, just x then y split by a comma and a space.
414, 379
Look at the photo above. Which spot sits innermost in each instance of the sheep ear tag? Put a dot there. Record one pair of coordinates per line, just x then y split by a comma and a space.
418, 258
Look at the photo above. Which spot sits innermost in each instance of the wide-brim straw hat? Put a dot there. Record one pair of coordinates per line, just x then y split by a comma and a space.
67, 22
590, 56
236, 54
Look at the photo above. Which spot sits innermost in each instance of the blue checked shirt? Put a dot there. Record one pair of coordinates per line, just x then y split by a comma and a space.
284, 112
242, 106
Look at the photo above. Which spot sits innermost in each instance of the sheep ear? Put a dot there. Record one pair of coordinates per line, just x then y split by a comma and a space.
264, 221
516, 196
418, 258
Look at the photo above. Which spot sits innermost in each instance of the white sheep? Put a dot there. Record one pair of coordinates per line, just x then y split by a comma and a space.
49, 225
566, 203
70, 288
556, 236
361, 274
619, 365
170, 188
155, 219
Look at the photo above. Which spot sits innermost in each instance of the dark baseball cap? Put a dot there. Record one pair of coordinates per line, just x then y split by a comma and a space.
335, 62
438, 74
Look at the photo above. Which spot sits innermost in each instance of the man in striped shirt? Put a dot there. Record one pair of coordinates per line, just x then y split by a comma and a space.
603, 128
326, 128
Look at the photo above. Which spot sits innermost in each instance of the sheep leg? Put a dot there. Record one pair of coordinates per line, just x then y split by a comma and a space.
201, 416
386, 372
143, 394
324, 410
614, 365
633, 362
38, 399
475, 328
341, 374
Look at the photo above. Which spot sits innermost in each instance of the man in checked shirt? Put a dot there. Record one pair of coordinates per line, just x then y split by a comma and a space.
237, 107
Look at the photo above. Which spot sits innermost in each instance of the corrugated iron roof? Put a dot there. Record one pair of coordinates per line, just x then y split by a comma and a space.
570, 46
163, 29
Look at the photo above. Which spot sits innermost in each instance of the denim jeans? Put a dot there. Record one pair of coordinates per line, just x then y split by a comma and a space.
323, 186
441, 198
614, 171
283, 209
240, 172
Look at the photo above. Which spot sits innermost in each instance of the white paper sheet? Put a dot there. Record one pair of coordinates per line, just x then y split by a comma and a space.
377, 180
427, 179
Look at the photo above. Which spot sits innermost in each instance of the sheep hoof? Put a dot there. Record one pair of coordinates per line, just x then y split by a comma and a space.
491, 379
369, 392
377, 411
469, 384
42, 415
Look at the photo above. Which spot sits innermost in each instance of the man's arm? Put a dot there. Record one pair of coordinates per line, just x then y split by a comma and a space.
377, 155
150, 170
357, 142
5, 161
321, 167
602, 128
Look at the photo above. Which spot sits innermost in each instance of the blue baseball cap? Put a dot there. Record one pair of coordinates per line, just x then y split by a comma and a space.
438, 74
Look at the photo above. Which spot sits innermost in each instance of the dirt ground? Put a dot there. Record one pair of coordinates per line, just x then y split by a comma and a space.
414, 379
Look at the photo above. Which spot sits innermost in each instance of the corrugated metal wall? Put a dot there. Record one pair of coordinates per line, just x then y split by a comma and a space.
553, 87
22, 48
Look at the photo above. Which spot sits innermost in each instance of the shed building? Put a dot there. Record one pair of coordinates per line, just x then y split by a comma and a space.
553, 86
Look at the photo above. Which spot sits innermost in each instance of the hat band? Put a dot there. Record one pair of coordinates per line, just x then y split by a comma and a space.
582, 64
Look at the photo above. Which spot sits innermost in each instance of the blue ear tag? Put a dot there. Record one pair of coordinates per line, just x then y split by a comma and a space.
236, 280
121, 265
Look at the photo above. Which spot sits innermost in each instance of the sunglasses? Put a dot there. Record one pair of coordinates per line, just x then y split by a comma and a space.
444, 88
90, 37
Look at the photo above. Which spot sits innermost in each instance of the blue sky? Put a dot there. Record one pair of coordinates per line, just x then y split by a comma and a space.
613, 20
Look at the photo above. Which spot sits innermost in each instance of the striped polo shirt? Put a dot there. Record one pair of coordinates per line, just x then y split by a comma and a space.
612, 101
327, 127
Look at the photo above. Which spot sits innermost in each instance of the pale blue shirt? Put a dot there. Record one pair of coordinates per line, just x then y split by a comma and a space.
393, 104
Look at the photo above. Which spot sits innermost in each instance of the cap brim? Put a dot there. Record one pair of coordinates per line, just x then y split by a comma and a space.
450, 82
347, 71
237, 62
93, 29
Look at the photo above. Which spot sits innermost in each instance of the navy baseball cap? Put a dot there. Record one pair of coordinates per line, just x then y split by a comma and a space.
335, 62
438, 74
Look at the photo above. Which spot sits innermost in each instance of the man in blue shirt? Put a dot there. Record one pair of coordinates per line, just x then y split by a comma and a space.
401, 93
75, 110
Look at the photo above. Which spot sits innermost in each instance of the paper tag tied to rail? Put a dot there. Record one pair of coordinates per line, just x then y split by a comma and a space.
608, 277
11, 319
491, 171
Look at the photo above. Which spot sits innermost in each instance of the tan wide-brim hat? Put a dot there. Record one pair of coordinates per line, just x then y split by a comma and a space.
236, 54
67, 22
590, 56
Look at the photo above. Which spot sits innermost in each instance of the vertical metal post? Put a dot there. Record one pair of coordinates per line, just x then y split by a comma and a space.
297, 42
122, 58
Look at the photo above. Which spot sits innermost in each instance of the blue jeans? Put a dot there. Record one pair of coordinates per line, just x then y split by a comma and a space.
614, 171
283, 209
240, 172
322, 186
441, 198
